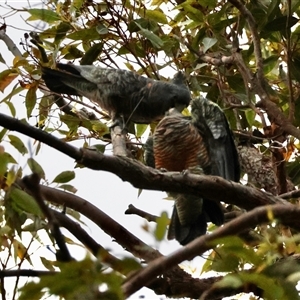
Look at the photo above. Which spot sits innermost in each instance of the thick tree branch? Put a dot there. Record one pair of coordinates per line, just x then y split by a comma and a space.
143, 177
75, 229
10, 44
292, 194
204, 243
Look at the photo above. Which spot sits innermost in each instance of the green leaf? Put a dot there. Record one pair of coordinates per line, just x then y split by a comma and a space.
161, 226
236, 83
137, 24
18, 144
84, 34
61, 32
140, 129
44, 108
2, 59
270, 63
225, 261
101, 29
99, 147
208, 43
194, 13
273, 9
98, 127
272, 290
78, 3
46, 15
35, 167
68, 187
127, 264
64, 177
2, 133
281, 23
30, 100
232, 281
15, 90
6, 77
4, 160
250, 116
73, 52
92, 54
21, 201
156, 15
48, 264
153, 38
11, 108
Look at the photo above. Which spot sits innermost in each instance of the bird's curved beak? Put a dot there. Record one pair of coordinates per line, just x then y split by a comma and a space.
180, 107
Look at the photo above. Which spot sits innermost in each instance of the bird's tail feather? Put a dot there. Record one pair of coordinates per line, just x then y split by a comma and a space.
214, 212
186, 233
68, 83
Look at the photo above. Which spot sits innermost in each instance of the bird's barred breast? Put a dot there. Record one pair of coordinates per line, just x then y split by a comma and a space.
178, 146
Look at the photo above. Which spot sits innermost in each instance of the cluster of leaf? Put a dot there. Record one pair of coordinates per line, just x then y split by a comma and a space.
262, 266
77, 278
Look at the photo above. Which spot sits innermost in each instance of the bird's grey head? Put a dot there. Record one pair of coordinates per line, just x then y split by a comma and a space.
180, 96
179, 79
171, 94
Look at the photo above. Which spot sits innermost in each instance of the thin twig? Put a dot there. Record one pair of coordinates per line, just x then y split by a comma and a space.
132, 210
26, 273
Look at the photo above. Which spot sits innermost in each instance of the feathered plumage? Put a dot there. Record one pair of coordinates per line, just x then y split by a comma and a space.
202, 144
121, 93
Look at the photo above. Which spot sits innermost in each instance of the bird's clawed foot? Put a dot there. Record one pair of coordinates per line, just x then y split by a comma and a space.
117, 122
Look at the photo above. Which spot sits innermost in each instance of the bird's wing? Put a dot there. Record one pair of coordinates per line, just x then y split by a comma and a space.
148, 153
212, 122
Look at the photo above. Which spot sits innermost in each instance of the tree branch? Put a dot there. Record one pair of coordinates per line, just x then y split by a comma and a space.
10, 44
75, 229
118, 139
292, 194
132, 210
255, 37
143, 177
27, 273
172, 282
258, 81
206, 242
125, 238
